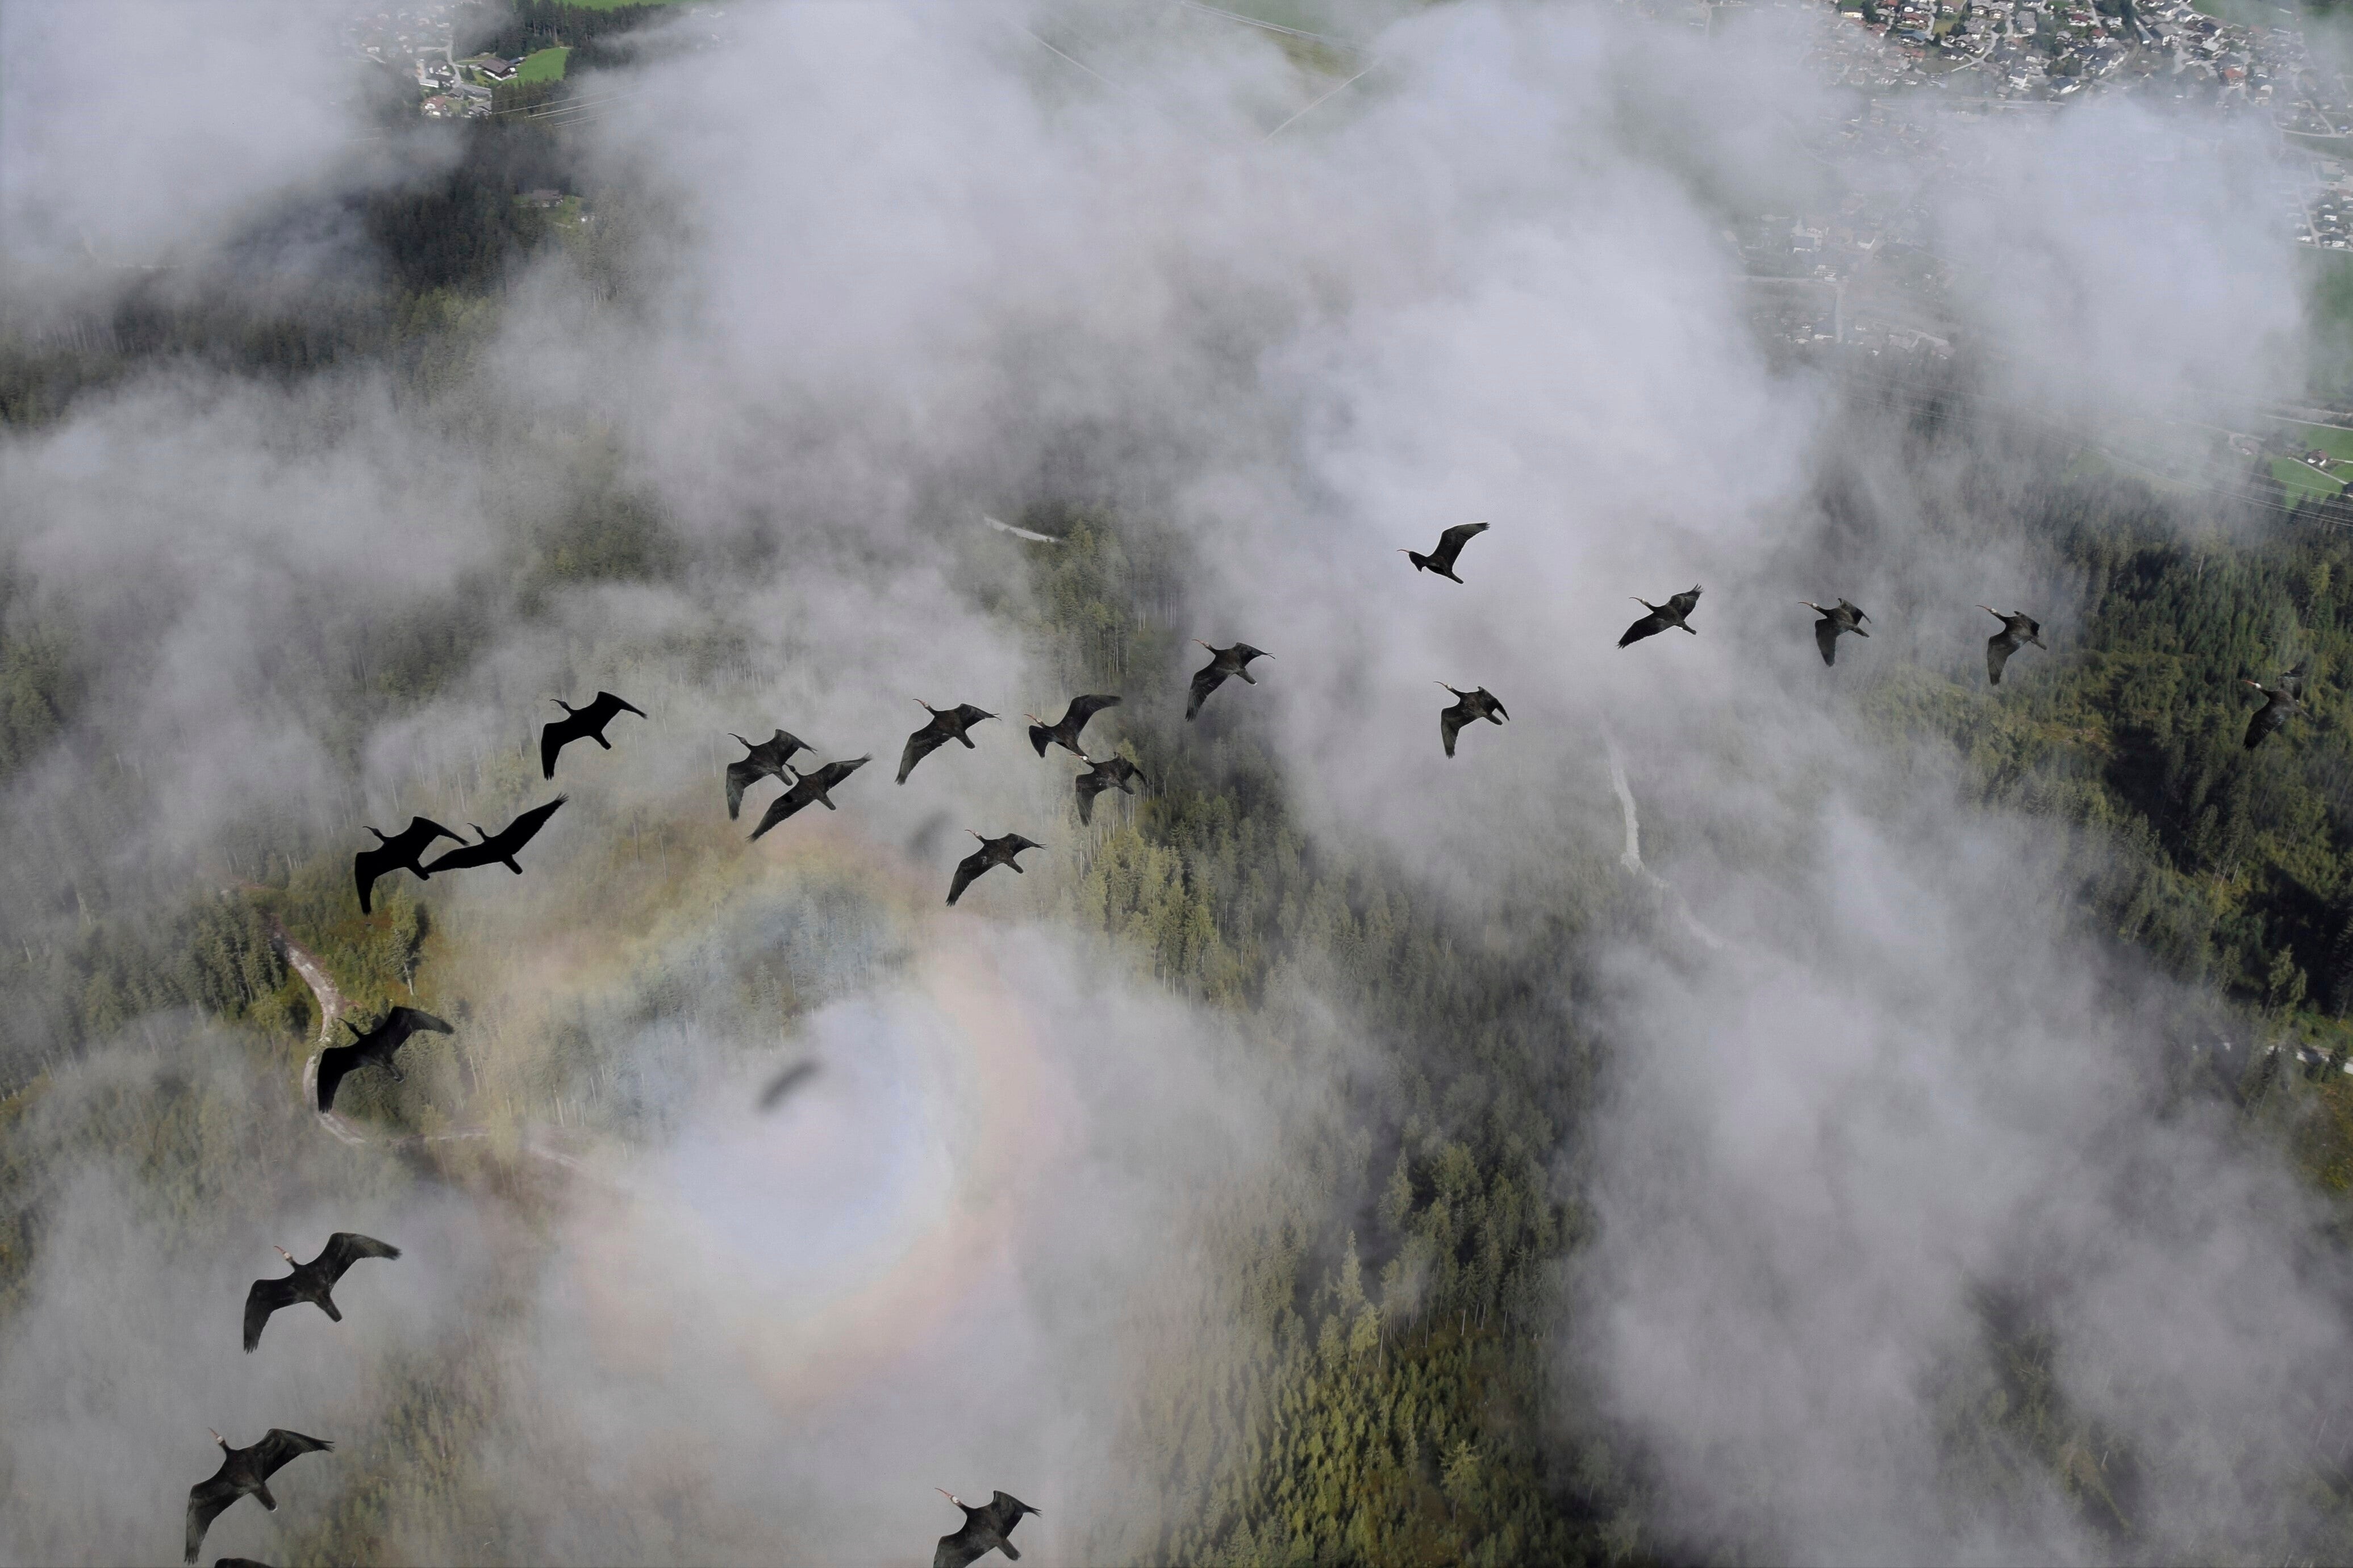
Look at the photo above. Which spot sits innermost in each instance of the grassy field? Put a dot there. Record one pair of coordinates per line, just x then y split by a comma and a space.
547, 65
2302, 480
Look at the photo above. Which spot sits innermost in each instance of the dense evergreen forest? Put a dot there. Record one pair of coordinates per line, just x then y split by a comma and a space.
1402, 1397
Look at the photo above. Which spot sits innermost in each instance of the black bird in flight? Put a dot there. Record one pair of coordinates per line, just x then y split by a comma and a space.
1472, 707
784, 1082
947, 724
237, 1563
1450, 545
310, 1281
405, 851
992, 852
810, 786
500, 848
1074, 719
244, 1472
1842, 618
1111, 773
766, 760
2279, 706
2017, 629
1223, 662
1671, 614
580, 723
391, 1033
2291, 680
985, 1529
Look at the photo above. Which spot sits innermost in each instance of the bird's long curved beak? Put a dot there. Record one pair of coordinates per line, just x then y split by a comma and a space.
219, 1439
947, 1494
1990, 610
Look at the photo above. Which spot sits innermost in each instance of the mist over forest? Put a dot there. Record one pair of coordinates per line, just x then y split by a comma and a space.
1738, 1110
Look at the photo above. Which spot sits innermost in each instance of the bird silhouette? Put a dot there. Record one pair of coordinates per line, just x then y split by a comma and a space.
947, 724
765, 759
2017, 629
1673, 612
405, 851
1111, 773
1472, 707
377, 1045
580, 723
985, 1529
1841, 617
784, 1082
500, 848
1074, 719
2279, 707
811, 786
313, 1281
2291, 680
1450, 545
244, 1472
992, 852
237, 1563
1223, 662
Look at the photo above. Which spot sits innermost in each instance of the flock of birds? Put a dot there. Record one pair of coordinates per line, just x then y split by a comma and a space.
246, 1472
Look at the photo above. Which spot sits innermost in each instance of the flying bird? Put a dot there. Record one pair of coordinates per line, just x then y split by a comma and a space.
1673, 612
947, 724
1074, 719
244, 1472
237, 1563
992, 852
1450, 545
765, 759
377, 1045
1474, 707
310, 1281
404, 851
2279, 706
580, 723
1223, 662
811, 786
1111, 773
784, 1082
985, 1529
2017, 629
500, 848
1843, 617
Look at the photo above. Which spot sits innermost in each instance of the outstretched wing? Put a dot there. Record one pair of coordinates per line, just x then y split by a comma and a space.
334, 1063
1650, 625
366, 866
741, 776
1207, 680
419, 835
1088, 786
2291, 680
971, 866
1494, 706
556, 735
403, 1021
279, 1446
266, 1297
1451, 720
606, 705
1826, 632
960, 1548
966, 717
1998, 648
1451, 543
1005, 1510
206, 1502
1082, 708
2264, 720
346, 1248
784, 805
921, 744
464, 856
1684, 603
524, 828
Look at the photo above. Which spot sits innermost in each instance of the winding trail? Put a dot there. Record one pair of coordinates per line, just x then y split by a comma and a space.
1633, 858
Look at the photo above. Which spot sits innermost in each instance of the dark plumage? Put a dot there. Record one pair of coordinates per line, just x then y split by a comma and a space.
985, 1529
1074, 719
1472, 707
377, 1046
1450, 545
947, 724
1223, 662
784, 1082
2017, 629
2291, 680
2279, 706
237, 1563
1111, 773
1841, 617
810, 787
500, 848
766, 760
405, 851
244, 1472
580, 723
1671, 614
314, 1281
992, 852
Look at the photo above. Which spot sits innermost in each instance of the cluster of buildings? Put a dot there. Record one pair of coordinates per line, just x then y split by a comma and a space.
420, 39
